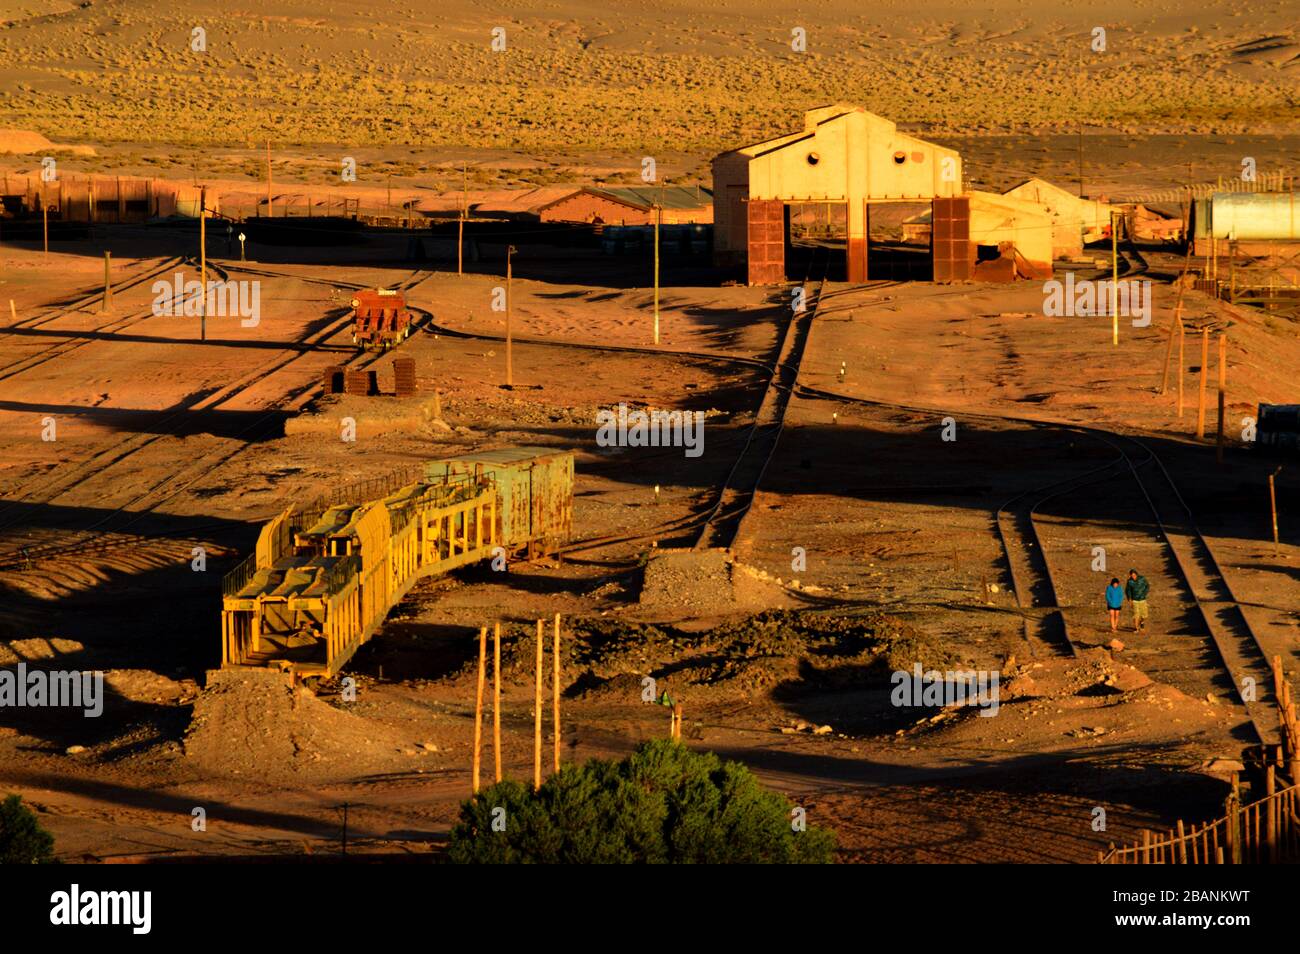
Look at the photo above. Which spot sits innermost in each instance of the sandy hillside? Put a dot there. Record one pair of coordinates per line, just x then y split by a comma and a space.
670, 75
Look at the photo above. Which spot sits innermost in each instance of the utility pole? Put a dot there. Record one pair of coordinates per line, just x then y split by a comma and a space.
1081, 160
1114, 279
1272, 502
537, 715
1223, 389
658, 211
1205, 373
203, 263
108, 284
496, 696
510, 367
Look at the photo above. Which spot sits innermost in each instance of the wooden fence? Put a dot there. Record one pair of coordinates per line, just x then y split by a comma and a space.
1261, 832
1280, 181
1266, 831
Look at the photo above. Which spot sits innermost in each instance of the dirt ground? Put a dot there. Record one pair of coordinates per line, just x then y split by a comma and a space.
901, 521
166, 443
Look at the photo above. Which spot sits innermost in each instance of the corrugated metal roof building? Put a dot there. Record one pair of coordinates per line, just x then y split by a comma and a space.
632, 205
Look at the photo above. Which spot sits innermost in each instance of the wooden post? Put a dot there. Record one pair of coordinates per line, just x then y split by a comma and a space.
460, 245
1146, 846
203, 263
478, 705
1177, 326
510, 367
1272, 503
658, 213
1231, 832
1114, 279
45, 223
13, 312
108, 284
1270, 827
496, 697
1205, 373
1182, 844
537, 715
1182, 363
268, 179
1218, 447
555, 689
1223, 397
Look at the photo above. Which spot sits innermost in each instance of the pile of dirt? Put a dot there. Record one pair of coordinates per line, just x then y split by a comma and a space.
1082, 702
251, 722
24, 141
1093, 671
701, 583
748, 654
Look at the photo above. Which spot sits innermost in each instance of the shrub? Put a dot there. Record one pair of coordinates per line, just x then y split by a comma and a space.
662, 804
22, 839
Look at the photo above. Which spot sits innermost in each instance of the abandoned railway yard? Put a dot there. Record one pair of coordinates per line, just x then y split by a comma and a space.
863, 479
866, 520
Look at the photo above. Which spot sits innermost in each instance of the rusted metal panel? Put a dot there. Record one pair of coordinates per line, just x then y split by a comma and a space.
534, 487
321, 583
953, 253
404, 376
766, 238
332, 379
357, 382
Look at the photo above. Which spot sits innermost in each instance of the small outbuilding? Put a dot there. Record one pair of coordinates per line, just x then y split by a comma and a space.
632, 205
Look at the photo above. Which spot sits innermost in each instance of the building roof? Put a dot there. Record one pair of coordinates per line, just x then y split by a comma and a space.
645, 198
509, 202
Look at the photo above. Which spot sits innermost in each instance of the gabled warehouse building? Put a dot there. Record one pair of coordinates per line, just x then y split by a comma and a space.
845, 155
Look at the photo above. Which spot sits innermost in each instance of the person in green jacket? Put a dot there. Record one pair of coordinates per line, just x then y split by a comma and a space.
1136, 590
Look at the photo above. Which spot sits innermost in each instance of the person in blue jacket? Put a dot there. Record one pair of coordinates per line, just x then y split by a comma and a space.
1114, 602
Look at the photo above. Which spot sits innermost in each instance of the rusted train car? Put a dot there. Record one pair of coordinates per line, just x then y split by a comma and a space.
380, 319
323, 578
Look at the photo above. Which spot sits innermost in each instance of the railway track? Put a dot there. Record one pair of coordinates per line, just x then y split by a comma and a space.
1046, 632
1229, 633
96, 537
724, 521
1234, 641
75, 340
721, 524
83, 301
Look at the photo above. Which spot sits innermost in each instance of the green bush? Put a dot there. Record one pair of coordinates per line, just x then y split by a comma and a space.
22, 839
662, 804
